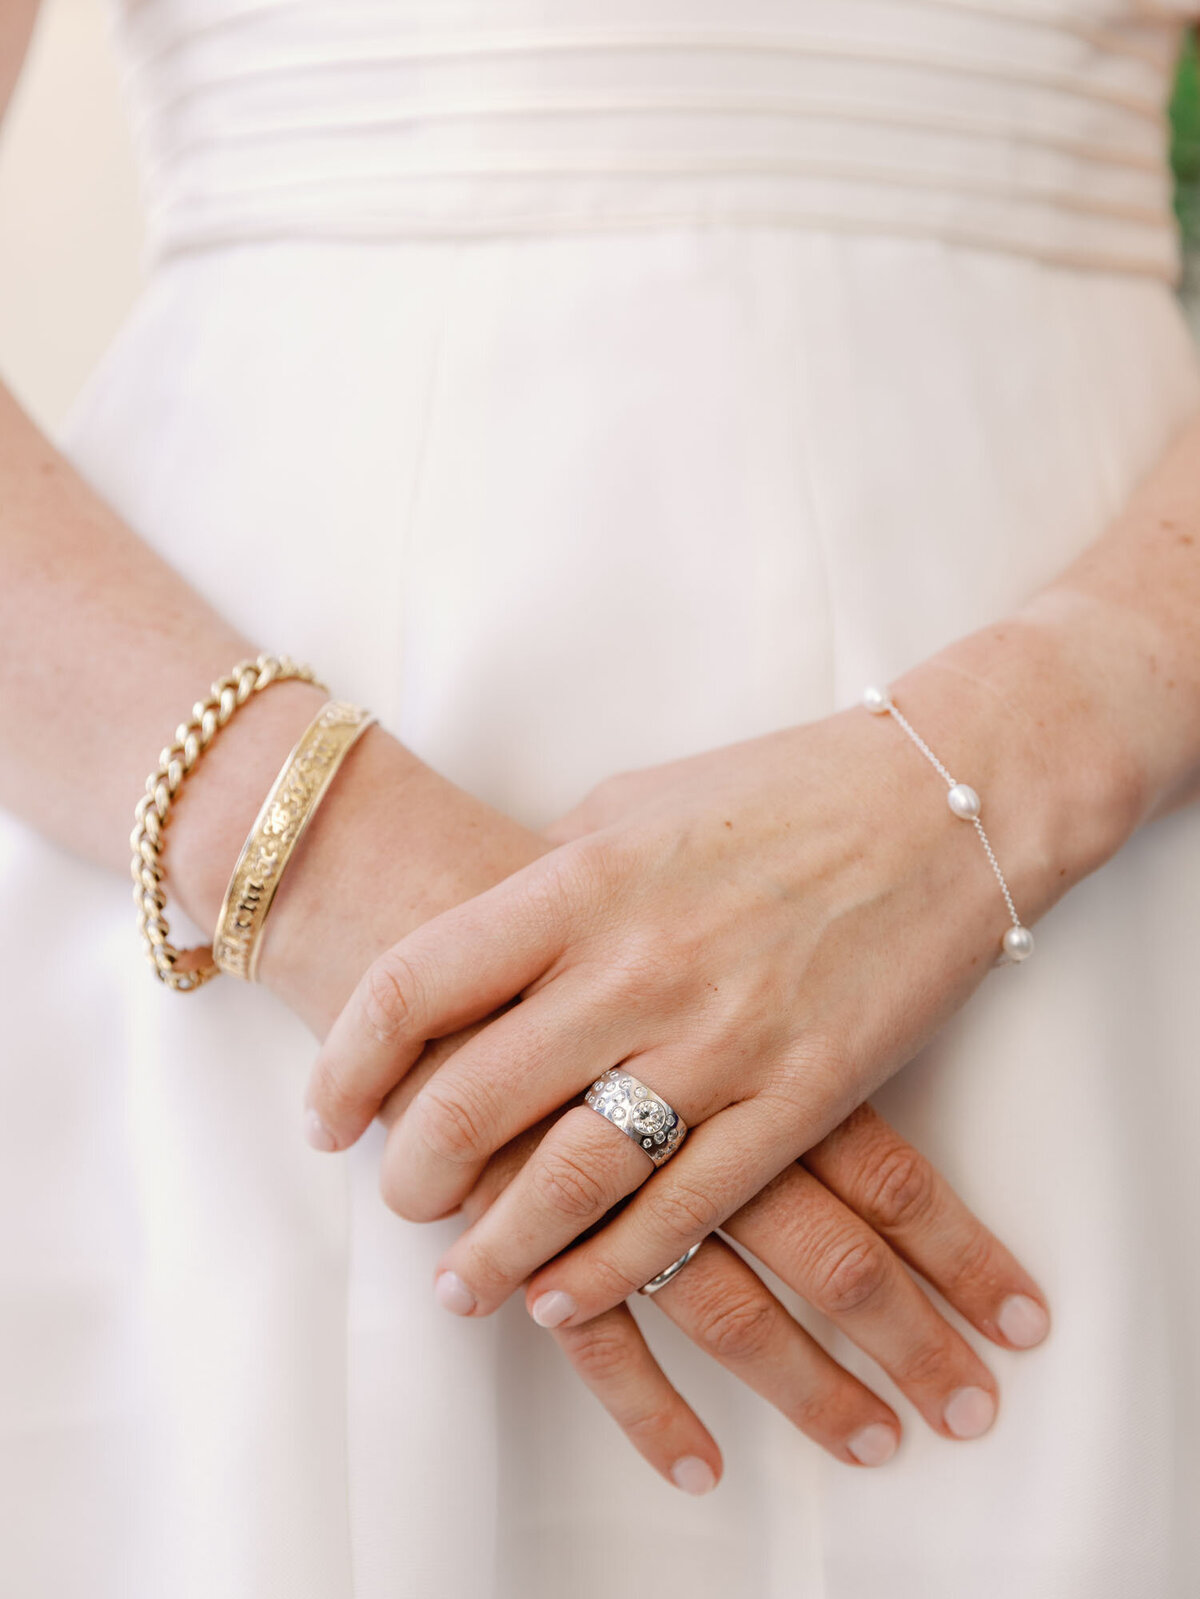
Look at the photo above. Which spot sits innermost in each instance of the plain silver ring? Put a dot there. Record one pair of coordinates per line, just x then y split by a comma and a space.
676, 1266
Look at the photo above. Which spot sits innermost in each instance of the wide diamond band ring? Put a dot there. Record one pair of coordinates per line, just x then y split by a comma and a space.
638, 1112
664, 1277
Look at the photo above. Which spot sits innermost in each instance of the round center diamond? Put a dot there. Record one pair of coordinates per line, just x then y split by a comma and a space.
650, 1116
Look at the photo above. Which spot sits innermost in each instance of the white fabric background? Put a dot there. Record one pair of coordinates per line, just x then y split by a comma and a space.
557, 506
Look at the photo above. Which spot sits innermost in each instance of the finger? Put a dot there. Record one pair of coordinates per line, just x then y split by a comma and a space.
611, 1356
504, 1164
900, 1194
496, 1175
721, 1165
725, 1308
844, 1269
580, 1170
500, 1171
398, 1099
535, 1057
453, 970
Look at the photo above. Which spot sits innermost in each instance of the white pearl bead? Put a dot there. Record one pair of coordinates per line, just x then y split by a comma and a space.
876, 700
964, 801
1018, 943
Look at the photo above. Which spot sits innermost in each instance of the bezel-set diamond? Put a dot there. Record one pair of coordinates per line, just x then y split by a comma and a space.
639, 1112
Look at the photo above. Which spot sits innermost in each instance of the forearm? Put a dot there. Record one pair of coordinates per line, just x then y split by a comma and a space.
1078, 717
1132, 603
104, 649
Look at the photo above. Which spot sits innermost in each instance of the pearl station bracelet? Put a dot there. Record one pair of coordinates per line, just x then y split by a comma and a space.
1017, 944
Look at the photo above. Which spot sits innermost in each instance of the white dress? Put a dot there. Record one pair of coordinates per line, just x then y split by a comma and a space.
581, 383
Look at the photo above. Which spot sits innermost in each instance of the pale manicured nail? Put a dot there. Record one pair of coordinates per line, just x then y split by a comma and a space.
693, 1475
1023, 1321
552, 1309
874, 1445
453, 1294
317, 1133
969, 1412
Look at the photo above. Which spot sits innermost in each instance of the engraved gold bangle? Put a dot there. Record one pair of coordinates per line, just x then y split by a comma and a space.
186, 969
287, 810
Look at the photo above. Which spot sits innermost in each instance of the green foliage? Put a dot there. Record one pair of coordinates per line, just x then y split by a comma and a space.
1185, 142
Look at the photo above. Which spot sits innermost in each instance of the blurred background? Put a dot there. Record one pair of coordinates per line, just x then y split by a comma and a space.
70, 223
70, 220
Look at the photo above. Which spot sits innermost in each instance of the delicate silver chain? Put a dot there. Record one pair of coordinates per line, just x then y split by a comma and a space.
991, 855
900, 717
1018, 944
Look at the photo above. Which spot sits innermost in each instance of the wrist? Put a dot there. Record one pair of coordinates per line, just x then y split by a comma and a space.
392, 844
1144, 683
216, 807
1016, 711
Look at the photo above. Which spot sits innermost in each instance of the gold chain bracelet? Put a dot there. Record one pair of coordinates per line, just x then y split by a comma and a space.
184, 970
287, 810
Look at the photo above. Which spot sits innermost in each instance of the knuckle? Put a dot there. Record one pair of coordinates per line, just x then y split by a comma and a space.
739, 1327
810, 1065
449, 1126
592, 862
600, 1351
389, 997
900, 1187
820, 1405
492, 1275
610, 1281
925, 1365
849, 1274
976, 1264
639, 974
564, 1183
636, 968
787, 1093
681, 1212
575, 876
645, 1425
337, 1090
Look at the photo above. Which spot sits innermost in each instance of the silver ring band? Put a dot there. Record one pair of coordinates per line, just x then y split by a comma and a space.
639, 1112
664, 1277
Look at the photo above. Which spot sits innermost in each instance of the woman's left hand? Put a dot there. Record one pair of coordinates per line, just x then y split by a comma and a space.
761, 934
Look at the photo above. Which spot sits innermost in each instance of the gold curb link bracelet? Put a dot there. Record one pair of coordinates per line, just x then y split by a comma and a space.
285, 813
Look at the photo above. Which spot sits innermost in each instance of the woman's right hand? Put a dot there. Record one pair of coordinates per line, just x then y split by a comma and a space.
838, 1227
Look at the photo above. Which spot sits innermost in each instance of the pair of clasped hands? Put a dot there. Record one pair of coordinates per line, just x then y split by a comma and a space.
762, 935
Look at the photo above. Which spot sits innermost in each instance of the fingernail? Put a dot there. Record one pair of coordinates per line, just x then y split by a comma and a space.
969, 1412
874, 1445
317, 1133
1023, 1321
693, 1475
552, 1309
453, 1294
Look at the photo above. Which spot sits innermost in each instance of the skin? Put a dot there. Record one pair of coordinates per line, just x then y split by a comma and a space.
765, 933
103, 648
